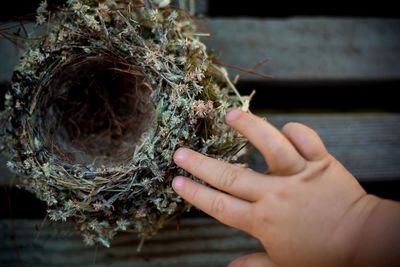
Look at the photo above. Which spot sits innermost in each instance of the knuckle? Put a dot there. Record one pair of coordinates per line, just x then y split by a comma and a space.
318, 168
218, 206
192, 194
228, 177
201, 161
198, 162
285, 191
329, 162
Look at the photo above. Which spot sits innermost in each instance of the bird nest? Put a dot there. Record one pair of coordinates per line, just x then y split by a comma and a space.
99, 103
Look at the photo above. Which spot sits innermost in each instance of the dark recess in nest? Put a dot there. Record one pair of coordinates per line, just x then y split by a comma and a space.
96, 110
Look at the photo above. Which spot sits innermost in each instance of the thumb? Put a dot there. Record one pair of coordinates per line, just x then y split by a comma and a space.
253, 260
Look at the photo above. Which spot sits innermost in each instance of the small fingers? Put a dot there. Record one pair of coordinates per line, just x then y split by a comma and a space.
225, 208
253, 260
237, 181
306, 141
282, 158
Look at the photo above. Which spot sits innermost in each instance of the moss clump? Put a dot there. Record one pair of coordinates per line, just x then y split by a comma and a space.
99, 103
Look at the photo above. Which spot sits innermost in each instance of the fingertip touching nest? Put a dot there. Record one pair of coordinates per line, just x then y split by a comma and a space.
98, 105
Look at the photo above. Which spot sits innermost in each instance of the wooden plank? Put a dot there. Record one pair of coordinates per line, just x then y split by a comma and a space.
310, 48
367, 144
199, 242
298, 48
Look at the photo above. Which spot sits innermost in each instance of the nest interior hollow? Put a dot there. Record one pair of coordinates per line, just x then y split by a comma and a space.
95, 110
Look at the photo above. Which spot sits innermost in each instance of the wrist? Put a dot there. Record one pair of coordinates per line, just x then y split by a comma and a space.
349, 236
379, 235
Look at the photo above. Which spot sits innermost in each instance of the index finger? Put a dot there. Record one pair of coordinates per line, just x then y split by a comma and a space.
223, 207
243, 183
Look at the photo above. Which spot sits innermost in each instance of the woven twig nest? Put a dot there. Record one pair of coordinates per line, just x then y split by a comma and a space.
100, 102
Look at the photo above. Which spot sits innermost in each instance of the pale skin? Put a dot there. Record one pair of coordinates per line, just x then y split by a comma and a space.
308, 210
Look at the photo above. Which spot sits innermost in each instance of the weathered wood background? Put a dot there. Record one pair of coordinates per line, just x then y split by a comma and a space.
337, 75
199, 242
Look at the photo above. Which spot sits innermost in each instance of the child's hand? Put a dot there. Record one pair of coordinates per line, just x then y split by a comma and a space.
307, 211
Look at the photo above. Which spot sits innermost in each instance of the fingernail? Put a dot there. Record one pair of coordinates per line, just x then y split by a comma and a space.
232, 114
180, 154
178, 183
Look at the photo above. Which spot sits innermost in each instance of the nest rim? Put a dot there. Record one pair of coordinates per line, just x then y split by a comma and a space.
189, 96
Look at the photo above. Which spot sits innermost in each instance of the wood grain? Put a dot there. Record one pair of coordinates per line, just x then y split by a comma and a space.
367, 144
318, 48
199, 242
